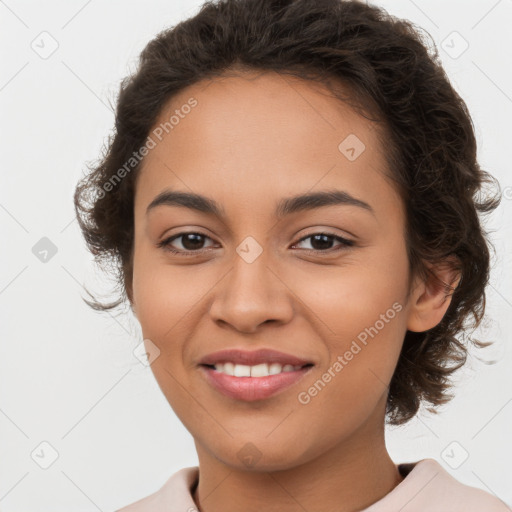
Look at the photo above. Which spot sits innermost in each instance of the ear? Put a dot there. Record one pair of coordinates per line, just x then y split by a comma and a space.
431, 298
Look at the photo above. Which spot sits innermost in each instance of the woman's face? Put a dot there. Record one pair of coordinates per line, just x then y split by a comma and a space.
253, 279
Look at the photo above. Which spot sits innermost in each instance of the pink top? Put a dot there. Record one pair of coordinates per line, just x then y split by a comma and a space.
427, 487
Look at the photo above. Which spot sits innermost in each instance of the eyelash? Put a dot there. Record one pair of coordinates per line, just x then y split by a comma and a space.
165, 244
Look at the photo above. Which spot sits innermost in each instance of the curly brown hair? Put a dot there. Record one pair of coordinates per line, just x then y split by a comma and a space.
395, 78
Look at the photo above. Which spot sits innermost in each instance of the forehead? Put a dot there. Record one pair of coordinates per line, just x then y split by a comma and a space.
255, 137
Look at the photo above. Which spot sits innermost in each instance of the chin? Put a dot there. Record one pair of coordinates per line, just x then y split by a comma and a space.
261, 456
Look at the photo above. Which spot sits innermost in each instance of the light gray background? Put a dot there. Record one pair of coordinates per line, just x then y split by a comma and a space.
68, 375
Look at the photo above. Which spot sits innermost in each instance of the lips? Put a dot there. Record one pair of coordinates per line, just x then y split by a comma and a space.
251, 389
253, 357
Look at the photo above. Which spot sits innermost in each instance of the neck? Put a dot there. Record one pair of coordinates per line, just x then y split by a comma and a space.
345, 478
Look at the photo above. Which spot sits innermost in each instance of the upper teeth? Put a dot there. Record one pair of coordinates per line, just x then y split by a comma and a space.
259, 370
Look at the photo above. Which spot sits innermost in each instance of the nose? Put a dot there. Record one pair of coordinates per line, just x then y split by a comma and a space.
249, 295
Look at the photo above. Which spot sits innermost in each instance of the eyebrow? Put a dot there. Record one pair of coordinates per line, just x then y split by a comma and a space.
286, 206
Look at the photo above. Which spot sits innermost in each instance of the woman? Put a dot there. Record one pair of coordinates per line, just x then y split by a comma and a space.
290, 200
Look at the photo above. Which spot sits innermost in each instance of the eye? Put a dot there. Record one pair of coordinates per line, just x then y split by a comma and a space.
321, 241
192, 243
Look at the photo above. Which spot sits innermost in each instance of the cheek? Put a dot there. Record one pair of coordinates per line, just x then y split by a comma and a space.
358, 310
350, 298
166, 294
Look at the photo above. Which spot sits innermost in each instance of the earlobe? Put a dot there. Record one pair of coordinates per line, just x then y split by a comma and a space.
432, 297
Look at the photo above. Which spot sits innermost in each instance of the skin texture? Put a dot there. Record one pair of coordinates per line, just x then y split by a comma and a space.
252, 140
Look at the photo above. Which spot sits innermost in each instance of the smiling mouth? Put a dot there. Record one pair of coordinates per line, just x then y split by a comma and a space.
248, 387
254, 371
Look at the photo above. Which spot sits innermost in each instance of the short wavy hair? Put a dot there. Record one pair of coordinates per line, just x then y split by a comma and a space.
394, 77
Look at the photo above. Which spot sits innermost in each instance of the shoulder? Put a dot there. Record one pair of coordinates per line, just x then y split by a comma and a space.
428, 487
175, 494
457, 495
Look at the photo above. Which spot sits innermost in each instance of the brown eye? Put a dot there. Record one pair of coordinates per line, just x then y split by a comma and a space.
191, 242
322, 242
